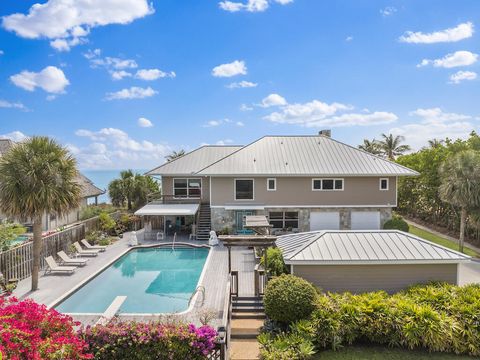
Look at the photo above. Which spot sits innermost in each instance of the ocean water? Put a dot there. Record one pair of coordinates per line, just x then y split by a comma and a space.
155, 280
101, 179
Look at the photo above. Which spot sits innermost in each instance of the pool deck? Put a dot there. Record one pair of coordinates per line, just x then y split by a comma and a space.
215, 278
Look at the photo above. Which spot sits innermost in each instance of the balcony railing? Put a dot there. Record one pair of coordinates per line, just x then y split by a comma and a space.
158, 198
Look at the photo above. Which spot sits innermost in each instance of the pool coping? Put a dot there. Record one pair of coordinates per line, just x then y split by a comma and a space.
192, 301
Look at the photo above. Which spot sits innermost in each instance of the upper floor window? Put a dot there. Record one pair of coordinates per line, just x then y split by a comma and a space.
327, 184
384, 184
187, 188
243, 189
272, 184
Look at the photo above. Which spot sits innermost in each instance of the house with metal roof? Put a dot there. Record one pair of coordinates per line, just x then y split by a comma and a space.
88, 191
361, 261
301, 183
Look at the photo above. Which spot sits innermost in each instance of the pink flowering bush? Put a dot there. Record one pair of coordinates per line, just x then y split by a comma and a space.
30, 331
154, 340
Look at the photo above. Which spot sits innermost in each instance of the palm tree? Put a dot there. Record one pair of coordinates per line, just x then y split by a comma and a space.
370, 146
131, 189
460, 185
38, 177
175, 154
390, 146
435, 143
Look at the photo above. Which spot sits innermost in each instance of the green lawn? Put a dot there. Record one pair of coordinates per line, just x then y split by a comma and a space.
380, 353
440, 240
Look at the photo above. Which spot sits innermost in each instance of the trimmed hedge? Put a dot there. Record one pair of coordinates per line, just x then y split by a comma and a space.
289, 298
396, 223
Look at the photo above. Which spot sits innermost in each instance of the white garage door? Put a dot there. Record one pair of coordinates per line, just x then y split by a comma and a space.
365, 220
324, 220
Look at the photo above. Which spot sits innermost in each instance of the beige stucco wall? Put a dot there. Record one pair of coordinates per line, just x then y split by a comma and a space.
358, 191
72, 217
363, 278
167, 185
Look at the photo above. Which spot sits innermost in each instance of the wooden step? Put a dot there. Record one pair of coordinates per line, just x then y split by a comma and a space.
248, 349
246, 328
249, 315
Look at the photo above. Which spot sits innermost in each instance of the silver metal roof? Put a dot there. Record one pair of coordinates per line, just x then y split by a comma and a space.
303, 155
363, 247
192, 162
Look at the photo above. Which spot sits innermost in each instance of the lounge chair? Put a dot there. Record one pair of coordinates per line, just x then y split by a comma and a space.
66, 260
93, 247
52, 267
82, 252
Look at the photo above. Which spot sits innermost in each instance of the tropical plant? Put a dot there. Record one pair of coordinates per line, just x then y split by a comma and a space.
275, 264
31, 331
371, 146
175, 154
94, 210
107, 224
8, 233
390, 146
434, 143
289, 298
131, 190
396, 223
460, 185
38, 177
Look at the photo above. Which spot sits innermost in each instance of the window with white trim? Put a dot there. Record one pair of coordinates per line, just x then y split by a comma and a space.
271, 184
283, 219
187, 188
384, 183
327, 184
243, 189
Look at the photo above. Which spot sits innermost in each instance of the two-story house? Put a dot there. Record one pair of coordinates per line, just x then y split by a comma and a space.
302, 183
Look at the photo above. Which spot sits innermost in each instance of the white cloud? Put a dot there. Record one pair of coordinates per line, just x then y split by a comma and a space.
434, 124
239, 123
241, 84
134, 92
144, 122
245, 107
12, 105
250, 5
90, 54
213, 123
51, 97
273, 100
458, 58
120, 74
349, 38
224, 142
71, 21
460, 76
153, 74
14, 136
113, 63
51, 79
114, 148
234, 68
1, 52
355, 119
387, 11
460, 32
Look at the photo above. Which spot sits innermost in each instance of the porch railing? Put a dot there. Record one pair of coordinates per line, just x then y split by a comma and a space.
158, 198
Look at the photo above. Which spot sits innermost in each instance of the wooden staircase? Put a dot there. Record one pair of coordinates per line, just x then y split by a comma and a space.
204, 222
248, 315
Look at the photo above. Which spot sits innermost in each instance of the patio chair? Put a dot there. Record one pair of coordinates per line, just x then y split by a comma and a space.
53, 267
93, 247
66, 260
82, 252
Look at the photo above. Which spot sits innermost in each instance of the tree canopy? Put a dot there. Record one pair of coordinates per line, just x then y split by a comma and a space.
131, 190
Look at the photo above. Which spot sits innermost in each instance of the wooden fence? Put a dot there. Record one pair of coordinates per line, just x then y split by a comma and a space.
16, 263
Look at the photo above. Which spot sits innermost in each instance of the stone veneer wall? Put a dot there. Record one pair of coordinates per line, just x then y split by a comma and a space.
222, 218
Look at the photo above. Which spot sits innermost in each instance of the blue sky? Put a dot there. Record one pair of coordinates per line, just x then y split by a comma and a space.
124, 82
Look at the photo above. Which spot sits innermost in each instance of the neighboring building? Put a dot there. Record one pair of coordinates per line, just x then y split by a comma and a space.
302, 183
50, 221
362, 261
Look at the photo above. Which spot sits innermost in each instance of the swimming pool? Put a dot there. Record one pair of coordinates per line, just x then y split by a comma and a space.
155, 280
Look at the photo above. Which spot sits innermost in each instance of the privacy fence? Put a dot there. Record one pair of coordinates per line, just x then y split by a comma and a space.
16, 263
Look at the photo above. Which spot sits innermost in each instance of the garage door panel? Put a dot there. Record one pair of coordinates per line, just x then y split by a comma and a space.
324, 220
365, 220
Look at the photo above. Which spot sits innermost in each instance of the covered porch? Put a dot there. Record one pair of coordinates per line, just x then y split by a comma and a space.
168, 221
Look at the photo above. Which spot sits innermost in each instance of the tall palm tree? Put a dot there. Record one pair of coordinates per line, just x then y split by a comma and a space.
370, 146
391, 146
460, 185
132, 189
435, 143
175, 154
38, 177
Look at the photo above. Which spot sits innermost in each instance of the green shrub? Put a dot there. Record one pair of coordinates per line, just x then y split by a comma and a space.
396, 223
95, 210
275, 264
107, 223
289, 298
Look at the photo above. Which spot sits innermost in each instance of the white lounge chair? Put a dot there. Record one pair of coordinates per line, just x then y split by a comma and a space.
82, 252
66, 260
52, 267
93, 247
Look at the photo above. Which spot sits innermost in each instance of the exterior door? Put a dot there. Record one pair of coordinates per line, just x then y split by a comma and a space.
324, 220
239, 216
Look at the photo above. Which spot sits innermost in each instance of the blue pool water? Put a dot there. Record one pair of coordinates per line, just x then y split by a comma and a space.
154, 280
